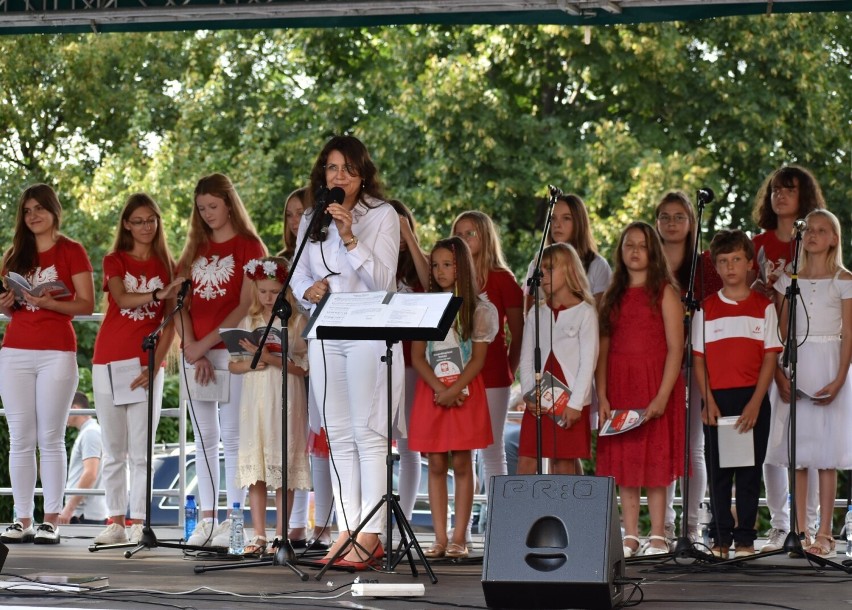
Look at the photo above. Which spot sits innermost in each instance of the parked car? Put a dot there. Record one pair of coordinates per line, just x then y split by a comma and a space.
165, 510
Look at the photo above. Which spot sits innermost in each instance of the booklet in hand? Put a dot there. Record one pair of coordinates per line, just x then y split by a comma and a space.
447, 364
554, 397
622, 420
18, 284
231, 337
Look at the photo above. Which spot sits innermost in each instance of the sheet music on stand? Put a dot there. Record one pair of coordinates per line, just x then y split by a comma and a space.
382, 315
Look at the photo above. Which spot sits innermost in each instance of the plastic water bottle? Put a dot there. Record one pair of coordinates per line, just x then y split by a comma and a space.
236, 545
190, 516
849, 531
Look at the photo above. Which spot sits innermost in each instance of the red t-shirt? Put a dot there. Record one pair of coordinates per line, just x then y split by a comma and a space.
123, 330
733, 337
34, 328
776, 253
504, 293
217, 278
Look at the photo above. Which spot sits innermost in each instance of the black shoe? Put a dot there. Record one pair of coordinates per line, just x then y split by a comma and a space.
315, 544
299, 544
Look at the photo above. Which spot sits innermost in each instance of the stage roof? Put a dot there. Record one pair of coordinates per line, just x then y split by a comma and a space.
56, 16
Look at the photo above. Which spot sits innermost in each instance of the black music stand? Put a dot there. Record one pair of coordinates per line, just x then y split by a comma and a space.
326, 323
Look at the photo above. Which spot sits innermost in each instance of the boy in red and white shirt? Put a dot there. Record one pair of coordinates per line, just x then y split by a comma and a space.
735, 348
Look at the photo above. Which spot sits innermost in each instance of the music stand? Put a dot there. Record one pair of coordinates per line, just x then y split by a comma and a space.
149, 538
330, 322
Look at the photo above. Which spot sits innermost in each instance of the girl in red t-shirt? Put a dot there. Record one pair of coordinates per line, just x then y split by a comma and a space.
499, 284
139, 286
38, 362
221, 240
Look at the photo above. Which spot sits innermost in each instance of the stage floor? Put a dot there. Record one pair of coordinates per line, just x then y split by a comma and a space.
165, 577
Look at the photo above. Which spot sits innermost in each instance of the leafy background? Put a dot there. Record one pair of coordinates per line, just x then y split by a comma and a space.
480, 117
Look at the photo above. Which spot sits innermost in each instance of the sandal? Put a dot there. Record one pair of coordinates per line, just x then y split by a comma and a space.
654, 550
255, 547
456, 551
629, 551
436, 551
823, 545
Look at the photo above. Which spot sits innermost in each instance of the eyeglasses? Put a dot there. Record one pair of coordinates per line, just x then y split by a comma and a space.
138, 222
333, 168
667, 218
466, 234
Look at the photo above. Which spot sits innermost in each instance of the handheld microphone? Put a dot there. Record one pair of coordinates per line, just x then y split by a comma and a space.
335, 195
705, 195
554, 191
184, 288
800, 225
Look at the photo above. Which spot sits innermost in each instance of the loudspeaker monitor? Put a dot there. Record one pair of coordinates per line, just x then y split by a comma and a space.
552, 541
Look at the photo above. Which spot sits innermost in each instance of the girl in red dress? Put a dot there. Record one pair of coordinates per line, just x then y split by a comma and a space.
569, 342
641, 349
450, 414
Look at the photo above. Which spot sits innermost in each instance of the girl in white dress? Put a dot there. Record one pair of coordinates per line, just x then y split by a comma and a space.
259, 462
824, 398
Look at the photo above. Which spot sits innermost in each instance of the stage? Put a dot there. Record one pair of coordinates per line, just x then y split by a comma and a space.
165, 577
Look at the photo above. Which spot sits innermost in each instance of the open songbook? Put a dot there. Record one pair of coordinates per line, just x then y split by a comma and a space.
18, 284
231, 337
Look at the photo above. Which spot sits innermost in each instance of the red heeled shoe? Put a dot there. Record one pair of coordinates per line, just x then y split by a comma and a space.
359, 566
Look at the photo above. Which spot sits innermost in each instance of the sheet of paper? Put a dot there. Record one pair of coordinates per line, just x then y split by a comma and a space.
735, 450
218, 391
121, 375
435, 304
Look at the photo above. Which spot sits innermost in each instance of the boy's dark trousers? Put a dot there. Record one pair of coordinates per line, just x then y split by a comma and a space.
731, 402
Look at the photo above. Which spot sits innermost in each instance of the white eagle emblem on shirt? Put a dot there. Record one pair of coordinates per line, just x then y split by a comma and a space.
209, 276
41, 276
141, 284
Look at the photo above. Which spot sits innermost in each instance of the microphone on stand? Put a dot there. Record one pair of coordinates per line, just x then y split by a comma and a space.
554, 191
705, 195
800, 225
184, 288
335, 195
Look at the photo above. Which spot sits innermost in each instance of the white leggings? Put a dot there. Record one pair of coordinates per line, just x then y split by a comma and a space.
494, 455
323, 499
351, 370
409, 461
124, 432
777, 483
37, 387
208, 423
698, 474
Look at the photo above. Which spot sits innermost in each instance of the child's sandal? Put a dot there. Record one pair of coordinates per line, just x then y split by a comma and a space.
630, 551
255, 547
823, 545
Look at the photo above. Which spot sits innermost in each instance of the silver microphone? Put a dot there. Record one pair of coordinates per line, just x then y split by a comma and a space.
800, 225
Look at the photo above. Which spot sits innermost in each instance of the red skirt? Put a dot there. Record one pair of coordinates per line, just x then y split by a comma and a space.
436, 429
557, 442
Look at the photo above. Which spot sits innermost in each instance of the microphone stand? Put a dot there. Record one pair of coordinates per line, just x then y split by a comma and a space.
149, 538
684, 548
284, 553
535, 283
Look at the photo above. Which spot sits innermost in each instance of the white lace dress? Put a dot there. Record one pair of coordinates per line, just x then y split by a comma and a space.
259, 456
823, 438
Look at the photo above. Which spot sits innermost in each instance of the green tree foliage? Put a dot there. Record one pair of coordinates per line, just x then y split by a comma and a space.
479, 117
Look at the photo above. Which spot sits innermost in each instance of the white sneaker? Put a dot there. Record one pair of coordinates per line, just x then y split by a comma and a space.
222, 535
18, 533
113, 534
671, 535
135, 533
775, 540
202, 534
47, 533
